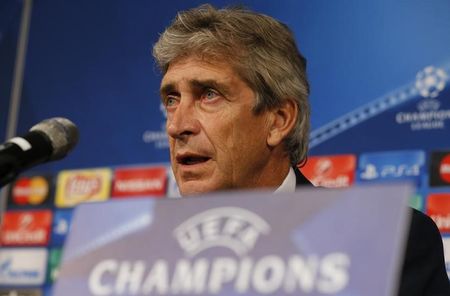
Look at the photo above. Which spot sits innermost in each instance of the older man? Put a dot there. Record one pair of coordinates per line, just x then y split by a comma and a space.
236, 96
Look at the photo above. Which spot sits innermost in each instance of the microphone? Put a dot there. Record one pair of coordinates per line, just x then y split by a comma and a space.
48, 140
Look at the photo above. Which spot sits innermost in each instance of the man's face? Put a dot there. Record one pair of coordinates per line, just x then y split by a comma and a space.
216, 141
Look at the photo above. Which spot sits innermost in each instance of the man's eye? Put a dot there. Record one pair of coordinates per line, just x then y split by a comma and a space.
170, 102
210, 94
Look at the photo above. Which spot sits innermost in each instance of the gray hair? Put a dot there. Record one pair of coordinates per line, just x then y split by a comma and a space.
260, 49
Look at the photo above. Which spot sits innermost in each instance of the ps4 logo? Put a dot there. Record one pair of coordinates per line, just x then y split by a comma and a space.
371, 172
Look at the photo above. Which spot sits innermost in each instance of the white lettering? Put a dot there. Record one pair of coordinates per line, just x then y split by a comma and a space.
223, 270
243, 277
136, 185
82, 186
25, 237
339, 181
188, 279
157, 279
249, 236
131, 275
444, 169
210, 228
96, 286
189, 239
334, 273
27, 191
409, 117
233, 226
268, 274
301, 271
442, 221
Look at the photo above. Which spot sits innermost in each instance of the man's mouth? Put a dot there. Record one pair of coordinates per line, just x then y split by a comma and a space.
192, 159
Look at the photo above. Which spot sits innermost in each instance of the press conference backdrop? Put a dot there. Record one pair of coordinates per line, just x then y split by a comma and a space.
380, 98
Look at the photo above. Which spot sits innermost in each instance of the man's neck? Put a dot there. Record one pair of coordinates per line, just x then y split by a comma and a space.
288, 184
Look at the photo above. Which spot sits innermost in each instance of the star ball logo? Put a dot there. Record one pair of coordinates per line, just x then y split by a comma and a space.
430, 82
217, 246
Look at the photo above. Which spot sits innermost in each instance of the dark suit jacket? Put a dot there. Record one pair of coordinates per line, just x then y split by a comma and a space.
423, 271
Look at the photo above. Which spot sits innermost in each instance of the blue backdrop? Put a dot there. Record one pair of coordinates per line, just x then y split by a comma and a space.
91, 61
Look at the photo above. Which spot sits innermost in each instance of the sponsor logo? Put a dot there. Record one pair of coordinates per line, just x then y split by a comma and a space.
30, 191
391, 165
20, 292
440, 168
23, 267
53, 264
444, 169
61, 226
438, 208
446, 242
235, 231
26, 228
330, 171
233, 228
140, 181
157, 138
429, 115
416, 202
74, 187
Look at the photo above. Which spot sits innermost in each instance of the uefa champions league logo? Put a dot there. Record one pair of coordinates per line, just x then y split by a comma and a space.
430, 113
233, 228
430, 81
163, 110
159, 137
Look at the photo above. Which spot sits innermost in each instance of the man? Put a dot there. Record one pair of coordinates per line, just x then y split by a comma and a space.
236, 96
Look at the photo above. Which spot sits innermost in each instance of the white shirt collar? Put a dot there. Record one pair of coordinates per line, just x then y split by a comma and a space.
289, 183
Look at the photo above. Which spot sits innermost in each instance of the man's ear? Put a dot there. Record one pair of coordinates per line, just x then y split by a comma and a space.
283, 121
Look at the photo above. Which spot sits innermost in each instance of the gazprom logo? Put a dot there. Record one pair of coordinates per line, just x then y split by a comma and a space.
23, 267
233, 228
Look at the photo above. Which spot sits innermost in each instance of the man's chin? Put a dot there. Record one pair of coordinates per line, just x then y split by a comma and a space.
196, 187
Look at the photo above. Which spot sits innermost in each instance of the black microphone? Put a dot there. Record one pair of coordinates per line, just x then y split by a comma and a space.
48, 140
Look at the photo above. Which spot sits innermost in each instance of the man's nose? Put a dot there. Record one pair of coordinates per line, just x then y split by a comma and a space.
183, 121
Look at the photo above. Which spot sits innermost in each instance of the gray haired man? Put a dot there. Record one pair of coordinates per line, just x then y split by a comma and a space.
235, 90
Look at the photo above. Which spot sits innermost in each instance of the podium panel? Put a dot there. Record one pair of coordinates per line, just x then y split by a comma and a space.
311, 242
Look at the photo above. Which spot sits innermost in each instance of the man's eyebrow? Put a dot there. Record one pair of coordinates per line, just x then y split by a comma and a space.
167, 88
195, 84
210, 83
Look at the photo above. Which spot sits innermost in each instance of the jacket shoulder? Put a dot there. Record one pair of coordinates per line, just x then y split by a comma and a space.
423, 271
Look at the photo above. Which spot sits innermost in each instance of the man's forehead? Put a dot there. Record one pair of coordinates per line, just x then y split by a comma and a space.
197, 69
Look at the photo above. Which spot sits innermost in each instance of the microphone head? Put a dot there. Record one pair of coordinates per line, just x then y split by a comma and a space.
61, 133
